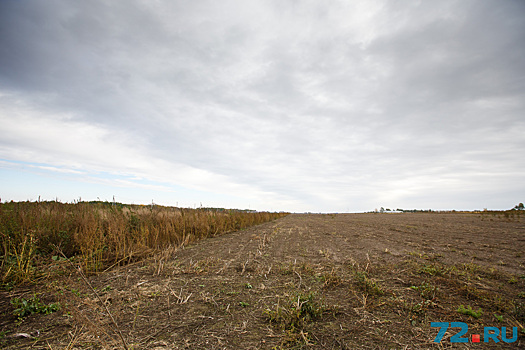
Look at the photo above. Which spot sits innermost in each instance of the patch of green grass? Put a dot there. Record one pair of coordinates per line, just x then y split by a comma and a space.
432, 270
76, 292
25, 307
469, 311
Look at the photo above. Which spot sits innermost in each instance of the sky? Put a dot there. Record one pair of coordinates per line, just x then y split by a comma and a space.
339, 106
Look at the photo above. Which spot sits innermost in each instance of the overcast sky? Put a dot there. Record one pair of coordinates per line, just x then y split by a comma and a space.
270, 105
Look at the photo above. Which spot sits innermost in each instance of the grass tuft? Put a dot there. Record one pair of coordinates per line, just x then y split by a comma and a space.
469, 311
426, 290
366, 284
299, 310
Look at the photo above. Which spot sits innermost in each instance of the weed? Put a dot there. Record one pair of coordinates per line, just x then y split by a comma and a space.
154, 294
18, 257
294, 340
76, 292
420, 308
331, 279
519, 312
248, 286
426, 290
499, 318
291, 268
432, 270
418, 255
469, 311
7, 286
26, 307
417, 311
366, 284
244, 304
297, 311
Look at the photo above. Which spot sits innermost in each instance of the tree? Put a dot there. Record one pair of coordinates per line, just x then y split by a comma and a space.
519, 207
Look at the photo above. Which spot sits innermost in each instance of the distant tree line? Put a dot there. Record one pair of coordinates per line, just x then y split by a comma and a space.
519, 207
382, 210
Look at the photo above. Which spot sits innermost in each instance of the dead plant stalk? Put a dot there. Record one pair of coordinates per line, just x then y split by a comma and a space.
84, 278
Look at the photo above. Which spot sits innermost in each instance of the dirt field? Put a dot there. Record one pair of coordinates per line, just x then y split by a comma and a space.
347, 281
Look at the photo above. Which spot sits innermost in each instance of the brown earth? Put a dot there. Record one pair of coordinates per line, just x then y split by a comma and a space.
346, 281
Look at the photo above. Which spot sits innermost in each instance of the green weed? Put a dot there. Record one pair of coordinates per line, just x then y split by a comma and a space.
297, 311
366, 284
25, 307
469, 311
432, 270
426, 290
76, 292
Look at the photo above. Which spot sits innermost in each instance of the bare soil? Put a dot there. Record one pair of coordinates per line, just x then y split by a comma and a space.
345, 281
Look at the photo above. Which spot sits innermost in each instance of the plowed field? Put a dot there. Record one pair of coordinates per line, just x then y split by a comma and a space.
346, 281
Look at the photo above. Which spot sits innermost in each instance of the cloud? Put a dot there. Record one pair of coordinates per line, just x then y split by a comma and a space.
58, 170
306, 105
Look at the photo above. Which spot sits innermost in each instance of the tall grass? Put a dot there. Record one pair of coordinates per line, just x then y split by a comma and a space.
102, 234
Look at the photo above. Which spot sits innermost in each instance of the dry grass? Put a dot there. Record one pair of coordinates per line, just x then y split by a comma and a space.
100, 235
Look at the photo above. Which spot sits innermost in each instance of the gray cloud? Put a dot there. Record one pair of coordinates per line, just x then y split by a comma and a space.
320, 107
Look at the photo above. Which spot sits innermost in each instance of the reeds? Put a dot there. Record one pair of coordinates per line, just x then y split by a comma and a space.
101, 234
